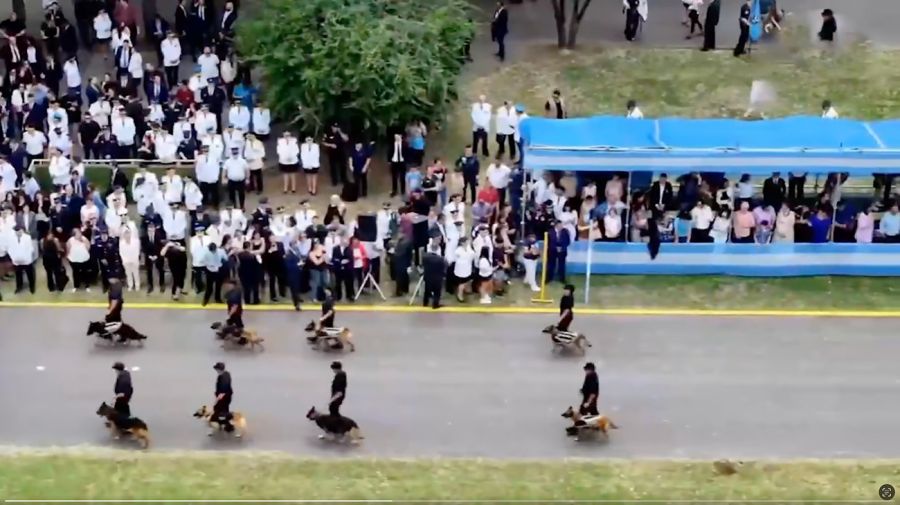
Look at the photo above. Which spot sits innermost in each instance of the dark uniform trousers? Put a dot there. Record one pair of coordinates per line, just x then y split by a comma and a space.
122, 406
334, 408
591, 409
433, 293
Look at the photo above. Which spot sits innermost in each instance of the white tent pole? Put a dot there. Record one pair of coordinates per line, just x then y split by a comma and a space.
587, 276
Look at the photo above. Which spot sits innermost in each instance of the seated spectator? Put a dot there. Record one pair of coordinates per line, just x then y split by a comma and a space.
865, 227
820, 226
701, 221
889, 227
784, 224
683, 227
612, 225
762, 234
721, 226
743, 224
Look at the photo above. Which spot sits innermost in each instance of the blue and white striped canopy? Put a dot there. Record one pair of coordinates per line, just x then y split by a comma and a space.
798, 144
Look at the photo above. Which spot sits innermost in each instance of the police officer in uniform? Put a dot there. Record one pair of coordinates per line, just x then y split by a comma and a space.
338, 389
590, 390
328, 312
222, 407
235, 308
114, 310
434, 269
122, 390
566, 308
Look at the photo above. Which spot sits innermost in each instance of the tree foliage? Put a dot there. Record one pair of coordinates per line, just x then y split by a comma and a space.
371, 64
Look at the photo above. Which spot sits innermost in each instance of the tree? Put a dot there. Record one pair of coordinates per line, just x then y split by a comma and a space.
370, 64
566, 35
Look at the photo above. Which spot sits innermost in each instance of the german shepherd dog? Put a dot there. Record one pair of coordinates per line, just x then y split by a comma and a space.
126, 333
329, 339
563, 340
237, 420
336, 427
120, 425
600, 424
228, 335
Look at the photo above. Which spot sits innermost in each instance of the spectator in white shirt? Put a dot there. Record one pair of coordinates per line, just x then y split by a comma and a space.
828, 111
166, 146
73, 76
171, 53
304, 216
498, 175
309, 158
173, 186
136, 70
235, 218
216, 145
90, 214
239, 116
113, 218
209, 65
103, 33
255, 154
22, 254
57, 117
481, 124
262, 121
208, 171
130, 254
521, 115
100, 111
288, 161
205, 122
35, 142
30, 186
175, 223
236, 171
60, 168
193, 197
59, 140
233, 138
701, 221
505, 125
124, 130
151, 182
462, 267
633, 111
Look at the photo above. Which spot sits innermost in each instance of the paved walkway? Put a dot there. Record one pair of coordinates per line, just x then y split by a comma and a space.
440, 385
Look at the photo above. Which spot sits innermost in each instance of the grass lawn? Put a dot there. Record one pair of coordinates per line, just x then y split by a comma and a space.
628, 292
237, 476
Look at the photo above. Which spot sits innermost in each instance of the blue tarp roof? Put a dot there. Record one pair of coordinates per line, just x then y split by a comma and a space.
810, 144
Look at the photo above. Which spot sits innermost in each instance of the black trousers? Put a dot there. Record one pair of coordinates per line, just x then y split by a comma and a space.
334, 408
210, 192
197, 279
564, 323
250, 288
398, 177
56, 275
506, 139
501, 193
122, 406
433, 293
709, 37
179, 273
23, 271
172, 76
695, 21
337, 165
590, 410
237, 193
701, 236
741, 47
480, 135
401, 282
632, 21
277, 281
256, 181
80, 274
795, 190
501, 48
343, 281
213, 285
160, 270
222, 407
472, 185
362, 182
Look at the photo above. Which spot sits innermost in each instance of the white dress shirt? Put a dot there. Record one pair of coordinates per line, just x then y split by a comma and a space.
60, 170
288, 151
73, 75
262, 121
35, 142
175, 224
207, 169
505, 120
309, 155
166, 146
100, 111
171, 51
193, 197
209, 66
173, 186
235, 168
255, 154
239, 117
498, 175
124, 130
481, 116
21, 250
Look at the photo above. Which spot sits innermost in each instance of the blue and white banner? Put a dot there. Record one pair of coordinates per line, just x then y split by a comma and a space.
756, 27
746, 260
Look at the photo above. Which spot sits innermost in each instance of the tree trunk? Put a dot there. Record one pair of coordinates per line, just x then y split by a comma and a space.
559, 12
578, 11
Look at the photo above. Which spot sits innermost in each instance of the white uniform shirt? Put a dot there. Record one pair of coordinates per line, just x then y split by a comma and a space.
73, 75
175, 224
288, 151
462, 267
166, 146
262, 121
100, 111
209, 66
193, 197
235, 169
255, 154
60, 170
21, 249
239, 117
498, 175
174, 188
505, 120
207, 169
124, 130
171, 51
481, 116
35, 142
309, 155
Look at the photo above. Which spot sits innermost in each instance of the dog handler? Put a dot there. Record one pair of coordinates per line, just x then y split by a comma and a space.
235, 307
122, 390
338, 389
590, 390
566, 308
222, 407
328, 312
114, 310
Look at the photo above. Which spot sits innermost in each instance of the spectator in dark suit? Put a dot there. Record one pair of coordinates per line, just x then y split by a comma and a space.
342, 268
157, 90
774, 191
434, 269
117, 178
660, 198
500, 28
558, 250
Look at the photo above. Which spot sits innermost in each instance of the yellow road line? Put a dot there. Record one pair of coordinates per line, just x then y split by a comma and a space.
416, 309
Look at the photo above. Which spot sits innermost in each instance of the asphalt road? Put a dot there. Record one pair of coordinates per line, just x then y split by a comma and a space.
432, 385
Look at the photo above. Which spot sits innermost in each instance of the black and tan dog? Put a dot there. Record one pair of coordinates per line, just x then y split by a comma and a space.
329, 339
236, 420
338, 428
120, 425
124, 335
228, 335
601, 424
564, 340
